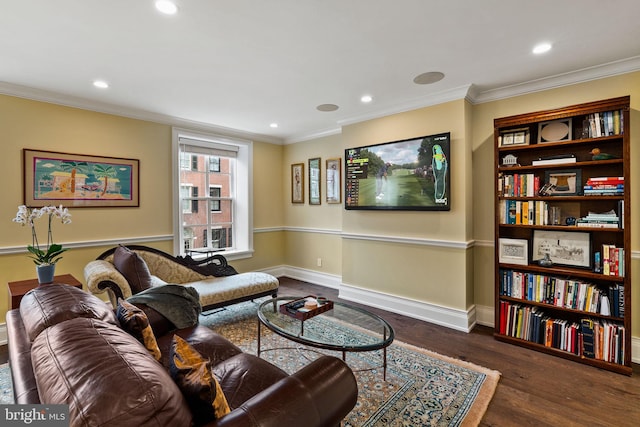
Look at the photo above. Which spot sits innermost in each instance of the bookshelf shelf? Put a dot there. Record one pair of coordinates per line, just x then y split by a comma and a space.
580, 307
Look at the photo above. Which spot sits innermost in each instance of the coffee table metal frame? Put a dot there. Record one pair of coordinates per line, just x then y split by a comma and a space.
387, 334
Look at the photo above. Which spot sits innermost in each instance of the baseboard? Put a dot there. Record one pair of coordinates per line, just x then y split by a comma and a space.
461, 320
485, 315
3, 334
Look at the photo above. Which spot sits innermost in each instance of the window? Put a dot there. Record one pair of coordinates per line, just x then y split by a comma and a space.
214, 164
212, 181
214, 195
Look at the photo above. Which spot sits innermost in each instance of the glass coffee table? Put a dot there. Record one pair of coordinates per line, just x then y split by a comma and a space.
342, 327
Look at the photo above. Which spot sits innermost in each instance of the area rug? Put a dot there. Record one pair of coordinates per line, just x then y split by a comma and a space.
422, 388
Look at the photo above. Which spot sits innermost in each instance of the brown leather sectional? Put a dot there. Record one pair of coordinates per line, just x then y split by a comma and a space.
66, 346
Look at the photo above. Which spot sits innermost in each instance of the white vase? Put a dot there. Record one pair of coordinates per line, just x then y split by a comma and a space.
45, 273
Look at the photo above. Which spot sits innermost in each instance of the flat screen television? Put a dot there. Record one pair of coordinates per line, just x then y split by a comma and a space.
408, 175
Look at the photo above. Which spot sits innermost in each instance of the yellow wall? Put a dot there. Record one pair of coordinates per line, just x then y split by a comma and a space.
43, 126
414, 265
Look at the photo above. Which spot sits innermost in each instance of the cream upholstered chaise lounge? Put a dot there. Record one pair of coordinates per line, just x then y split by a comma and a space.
127, 270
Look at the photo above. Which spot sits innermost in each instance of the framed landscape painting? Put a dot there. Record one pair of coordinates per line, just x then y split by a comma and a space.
79, 180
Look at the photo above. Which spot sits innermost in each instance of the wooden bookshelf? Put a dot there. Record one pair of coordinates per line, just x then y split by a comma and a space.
579, 307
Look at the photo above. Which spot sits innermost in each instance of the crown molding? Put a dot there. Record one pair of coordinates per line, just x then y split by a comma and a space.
596, 72
302, 137
414, 104
132, 113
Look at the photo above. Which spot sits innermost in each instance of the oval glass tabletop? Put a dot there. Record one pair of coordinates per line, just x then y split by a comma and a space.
343, 328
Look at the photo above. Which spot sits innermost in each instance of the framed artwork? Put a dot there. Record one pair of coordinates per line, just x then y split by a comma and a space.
514, 137
79, 180
554, 131
297, 183
314, 181
563, 182
513, 251
563, 247
334, 180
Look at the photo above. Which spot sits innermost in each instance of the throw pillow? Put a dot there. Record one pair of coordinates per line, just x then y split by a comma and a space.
134, 321
133, 268
192, 373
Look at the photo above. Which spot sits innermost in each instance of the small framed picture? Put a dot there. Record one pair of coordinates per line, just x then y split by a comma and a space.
515, 137
334, 180
564, 182
513, 251
554, 131
297, 183
563, 247
314, 181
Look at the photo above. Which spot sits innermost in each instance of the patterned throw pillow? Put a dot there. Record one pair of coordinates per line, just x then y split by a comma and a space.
134, 321
133, 268
192, 373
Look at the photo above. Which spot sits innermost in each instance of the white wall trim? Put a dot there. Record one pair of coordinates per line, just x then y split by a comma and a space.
93, 243
461, 320
601, 71
314, 230
410, 240
485, 315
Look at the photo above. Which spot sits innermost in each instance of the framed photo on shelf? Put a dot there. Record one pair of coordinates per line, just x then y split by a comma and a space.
297, 183
314, 181
513, 251
334, 180
554, 131
79, 180
514, 137
564, 247
564, 182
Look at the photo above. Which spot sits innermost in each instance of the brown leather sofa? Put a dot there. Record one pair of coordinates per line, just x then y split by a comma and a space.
66, 347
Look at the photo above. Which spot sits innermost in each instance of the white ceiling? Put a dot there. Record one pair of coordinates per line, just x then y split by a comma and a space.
244, 64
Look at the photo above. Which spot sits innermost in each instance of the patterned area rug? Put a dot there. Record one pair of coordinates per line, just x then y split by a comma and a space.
422, 388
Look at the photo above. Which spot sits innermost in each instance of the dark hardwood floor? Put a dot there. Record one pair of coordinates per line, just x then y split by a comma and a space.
535, 389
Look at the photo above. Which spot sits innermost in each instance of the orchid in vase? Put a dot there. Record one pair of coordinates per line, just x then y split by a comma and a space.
27, 216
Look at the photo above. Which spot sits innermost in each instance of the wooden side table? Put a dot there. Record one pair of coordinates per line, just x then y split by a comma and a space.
21, 287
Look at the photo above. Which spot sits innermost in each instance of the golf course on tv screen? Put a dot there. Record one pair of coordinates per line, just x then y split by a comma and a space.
411, 174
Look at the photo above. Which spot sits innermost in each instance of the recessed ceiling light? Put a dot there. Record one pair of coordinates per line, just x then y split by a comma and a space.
167, 7
273, 125
428, 78
327, 107
101, 84
542, 48
366, 98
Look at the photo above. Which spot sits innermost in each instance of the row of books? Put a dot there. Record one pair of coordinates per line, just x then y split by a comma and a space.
610, 261
562, 292
518, 185
608, 219
595, 339
604, 186
531, 212
604, 124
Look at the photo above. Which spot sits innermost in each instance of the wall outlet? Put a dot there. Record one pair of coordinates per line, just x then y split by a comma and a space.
319, 262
